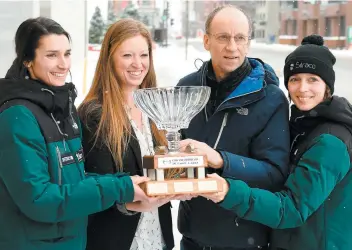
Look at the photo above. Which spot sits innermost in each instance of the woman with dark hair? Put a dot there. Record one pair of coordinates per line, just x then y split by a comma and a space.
45, 194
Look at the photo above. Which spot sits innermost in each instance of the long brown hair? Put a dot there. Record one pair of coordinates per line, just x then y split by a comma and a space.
105, 96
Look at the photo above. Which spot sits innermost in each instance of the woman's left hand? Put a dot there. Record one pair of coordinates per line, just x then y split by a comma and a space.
148, 205
218, 196
214, 158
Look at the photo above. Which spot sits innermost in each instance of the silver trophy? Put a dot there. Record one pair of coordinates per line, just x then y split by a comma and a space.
172, 109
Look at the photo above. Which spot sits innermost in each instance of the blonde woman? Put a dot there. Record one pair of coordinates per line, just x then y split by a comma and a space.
116, 135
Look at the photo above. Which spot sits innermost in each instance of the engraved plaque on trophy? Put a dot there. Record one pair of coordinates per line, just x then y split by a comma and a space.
172, 109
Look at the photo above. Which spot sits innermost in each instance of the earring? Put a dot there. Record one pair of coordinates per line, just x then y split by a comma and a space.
26, 72
69, 71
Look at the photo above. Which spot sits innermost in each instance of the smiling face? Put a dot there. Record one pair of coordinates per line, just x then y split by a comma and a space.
227, 41
52, 60
131, 61
306, 90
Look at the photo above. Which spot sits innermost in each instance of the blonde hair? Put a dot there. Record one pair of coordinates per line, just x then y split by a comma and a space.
105, 99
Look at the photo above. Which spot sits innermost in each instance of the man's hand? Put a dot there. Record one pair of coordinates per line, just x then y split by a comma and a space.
218, 196
214, 158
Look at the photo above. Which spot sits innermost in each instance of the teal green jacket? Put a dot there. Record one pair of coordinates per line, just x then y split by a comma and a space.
44, 192
314, 209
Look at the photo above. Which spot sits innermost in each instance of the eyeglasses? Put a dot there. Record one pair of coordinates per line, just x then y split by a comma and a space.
224, 38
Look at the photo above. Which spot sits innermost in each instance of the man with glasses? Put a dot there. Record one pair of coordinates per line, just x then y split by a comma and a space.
243, 130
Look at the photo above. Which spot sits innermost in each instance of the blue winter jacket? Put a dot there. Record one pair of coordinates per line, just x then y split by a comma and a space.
254, 144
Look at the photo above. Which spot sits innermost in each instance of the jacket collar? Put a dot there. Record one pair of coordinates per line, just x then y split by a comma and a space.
250, 89
252, 83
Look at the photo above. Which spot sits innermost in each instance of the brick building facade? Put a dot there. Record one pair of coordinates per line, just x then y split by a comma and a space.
329, 19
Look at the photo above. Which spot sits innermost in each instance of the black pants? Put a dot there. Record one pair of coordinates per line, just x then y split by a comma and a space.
189, 244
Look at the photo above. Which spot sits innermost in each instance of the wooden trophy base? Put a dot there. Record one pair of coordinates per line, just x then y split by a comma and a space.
181, 186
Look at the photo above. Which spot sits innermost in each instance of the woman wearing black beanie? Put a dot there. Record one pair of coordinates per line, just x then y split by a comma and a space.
313, 211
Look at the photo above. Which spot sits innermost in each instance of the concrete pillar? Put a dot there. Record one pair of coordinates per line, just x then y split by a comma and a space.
12, 14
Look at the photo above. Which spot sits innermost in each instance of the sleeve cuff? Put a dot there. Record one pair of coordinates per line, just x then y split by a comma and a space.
225, 168
129, 189
235, 195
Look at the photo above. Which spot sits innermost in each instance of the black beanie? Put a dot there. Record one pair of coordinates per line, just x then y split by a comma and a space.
311, 57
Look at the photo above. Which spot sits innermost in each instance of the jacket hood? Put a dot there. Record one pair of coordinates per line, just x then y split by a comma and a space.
270, 75
337, 109
52, 99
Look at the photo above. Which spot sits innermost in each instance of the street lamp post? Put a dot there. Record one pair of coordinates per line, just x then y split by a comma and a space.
84, 89
187, 26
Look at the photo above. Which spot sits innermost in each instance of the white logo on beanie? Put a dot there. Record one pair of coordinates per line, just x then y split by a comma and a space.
300, 65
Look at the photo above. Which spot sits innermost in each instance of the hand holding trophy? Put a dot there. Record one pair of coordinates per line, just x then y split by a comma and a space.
172, 109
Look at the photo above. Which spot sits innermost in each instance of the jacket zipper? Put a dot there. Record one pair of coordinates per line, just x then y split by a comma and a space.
59, 169
295, 139
73, 122
224, 122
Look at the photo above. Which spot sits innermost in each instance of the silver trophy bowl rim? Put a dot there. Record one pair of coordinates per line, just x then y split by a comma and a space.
175, 87
206, 88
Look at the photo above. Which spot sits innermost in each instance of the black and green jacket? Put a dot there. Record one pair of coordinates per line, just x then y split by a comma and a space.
314, 209
45, 194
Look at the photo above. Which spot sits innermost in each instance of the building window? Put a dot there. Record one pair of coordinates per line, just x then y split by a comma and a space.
294, 27
260, 34
286, 27
336, 1
315, 26
292, 4
304, 28
342, 26
327, 26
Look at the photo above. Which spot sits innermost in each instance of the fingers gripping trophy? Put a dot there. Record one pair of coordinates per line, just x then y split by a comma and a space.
172, 109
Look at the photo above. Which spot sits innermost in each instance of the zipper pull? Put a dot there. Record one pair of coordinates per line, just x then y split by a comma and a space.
64, 142
72, 120
224, 122
58, 154
236, 222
